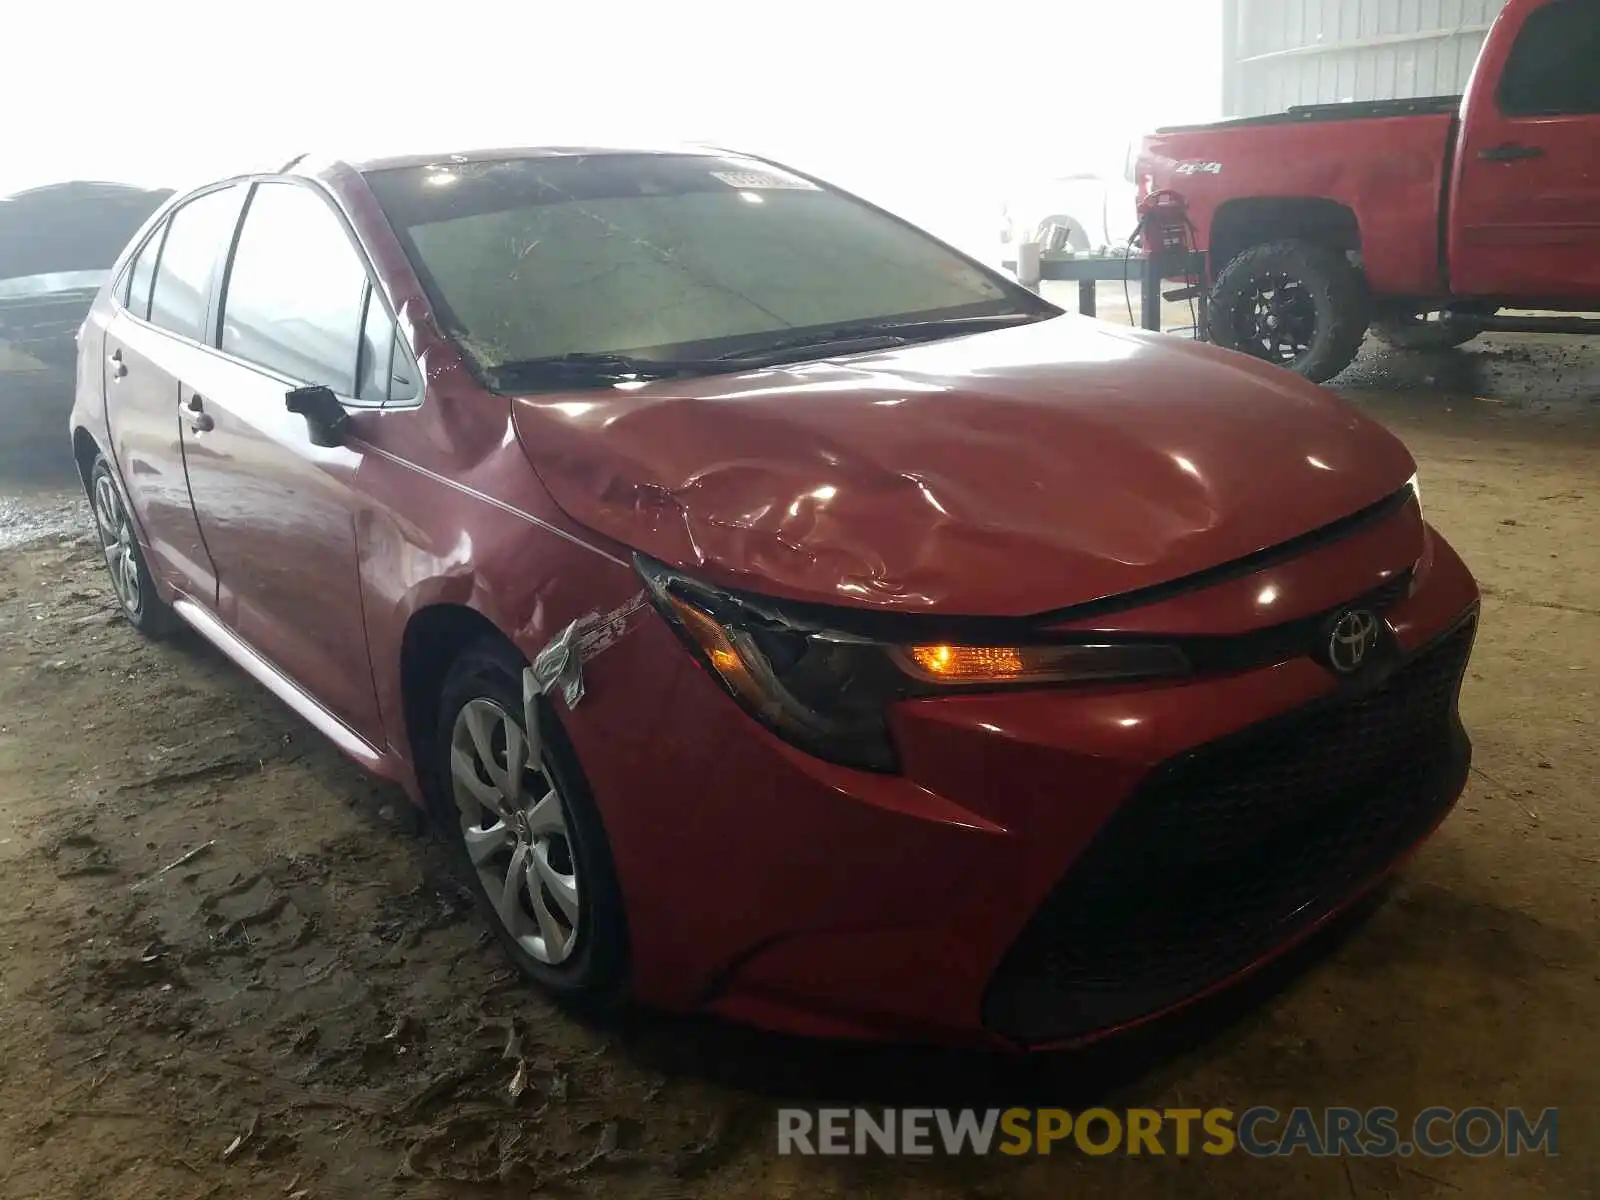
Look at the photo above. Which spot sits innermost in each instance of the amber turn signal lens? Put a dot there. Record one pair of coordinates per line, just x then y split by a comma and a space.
1067, 663
963, 663
719, 649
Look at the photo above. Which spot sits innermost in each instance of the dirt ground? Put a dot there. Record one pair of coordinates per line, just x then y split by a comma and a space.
306, 1006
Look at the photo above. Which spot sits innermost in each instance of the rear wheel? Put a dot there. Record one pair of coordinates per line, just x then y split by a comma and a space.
130, 576
1297, 304
528, 836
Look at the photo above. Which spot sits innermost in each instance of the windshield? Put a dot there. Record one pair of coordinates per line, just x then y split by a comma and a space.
664, 257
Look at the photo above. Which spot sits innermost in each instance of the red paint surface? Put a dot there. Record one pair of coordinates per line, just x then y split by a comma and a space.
918, 480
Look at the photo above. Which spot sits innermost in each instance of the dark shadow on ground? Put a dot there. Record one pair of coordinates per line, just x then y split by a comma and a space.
1541, 374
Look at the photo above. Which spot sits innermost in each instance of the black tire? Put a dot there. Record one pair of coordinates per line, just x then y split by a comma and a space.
1414, 332
592, 976
1314, 295
131, 582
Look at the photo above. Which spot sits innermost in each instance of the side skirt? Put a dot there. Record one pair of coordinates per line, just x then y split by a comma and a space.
349, 742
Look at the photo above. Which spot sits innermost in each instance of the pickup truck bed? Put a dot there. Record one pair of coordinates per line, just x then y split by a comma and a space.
1267, 179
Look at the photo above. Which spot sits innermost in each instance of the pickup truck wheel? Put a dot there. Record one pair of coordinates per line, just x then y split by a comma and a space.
1413, 332
1297, 304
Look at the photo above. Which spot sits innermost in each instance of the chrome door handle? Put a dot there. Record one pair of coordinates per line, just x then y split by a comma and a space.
118, 368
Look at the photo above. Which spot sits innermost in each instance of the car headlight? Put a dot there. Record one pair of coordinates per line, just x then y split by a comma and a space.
827, 689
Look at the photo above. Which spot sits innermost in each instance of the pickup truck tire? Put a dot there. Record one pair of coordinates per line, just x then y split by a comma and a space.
1414, 332
1297, 304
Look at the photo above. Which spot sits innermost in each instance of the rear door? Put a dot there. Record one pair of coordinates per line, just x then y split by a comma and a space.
153, 338
279, 513
1526, 221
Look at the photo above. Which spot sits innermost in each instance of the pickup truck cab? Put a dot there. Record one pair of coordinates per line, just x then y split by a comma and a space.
1419, 219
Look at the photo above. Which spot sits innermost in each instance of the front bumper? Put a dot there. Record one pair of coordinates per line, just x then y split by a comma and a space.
1089, 859
1229, 851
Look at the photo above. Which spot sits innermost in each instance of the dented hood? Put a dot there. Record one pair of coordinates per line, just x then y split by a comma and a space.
1002, 473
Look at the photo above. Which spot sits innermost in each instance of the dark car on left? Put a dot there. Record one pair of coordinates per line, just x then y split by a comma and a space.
57, 246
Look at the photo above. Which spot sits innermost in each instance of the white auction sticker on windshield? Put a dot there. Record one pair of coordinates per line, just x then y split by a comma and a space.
761, 181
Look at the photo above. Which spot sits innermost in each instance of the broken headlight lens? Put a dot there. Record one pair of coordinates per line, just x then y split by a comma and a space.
828, 692
823, 692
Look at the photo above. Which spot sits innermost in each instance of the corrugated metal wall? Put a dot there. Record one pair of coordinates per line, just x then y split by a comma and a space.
1279, 53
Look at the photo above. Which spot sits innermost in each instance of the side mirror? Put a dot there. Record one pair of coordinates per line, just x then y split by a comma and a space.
325, 417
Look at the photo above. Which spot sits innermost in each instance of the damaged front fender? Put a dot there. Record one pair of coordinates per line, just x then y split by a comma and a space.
558, 667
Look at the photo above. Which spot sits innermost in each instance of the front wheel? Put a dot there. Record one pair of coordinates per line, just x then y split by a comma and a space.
1297, 304
528, 837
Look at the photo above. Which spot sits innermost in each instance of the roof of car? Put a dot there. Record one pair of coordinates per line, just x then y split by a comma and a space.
366, 166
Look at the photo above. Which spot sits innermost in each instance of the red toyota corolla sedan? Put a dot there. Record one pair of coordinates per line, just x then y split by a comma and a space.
783, 615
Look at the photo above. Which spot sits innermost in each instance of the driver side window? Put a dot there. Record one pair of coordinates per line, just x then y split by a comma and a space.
298, 301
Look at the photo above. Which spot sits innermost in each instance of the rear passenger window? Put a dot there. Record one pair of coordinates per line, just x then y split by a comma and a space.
136, 297
197, 235
1552, 67
296, 290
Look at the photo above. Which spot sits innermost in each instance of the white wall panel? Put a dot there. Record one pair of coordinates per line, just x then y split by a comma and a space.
1284, 52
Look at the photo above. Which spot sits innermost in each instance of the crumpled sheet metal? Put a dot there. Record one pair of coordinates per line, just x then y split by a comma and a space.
560, 664
1005, 474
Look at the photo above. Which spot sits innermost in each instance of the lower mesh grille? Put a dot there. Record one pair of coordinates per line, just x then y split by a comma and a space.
1229, 849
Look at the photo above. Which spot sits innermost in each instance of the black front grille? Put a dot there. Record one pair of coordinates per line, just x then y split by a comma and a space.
1231, 848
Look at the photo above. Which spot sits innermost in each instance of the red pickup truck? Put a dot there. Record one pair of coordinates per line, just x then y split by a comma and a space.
1419, 219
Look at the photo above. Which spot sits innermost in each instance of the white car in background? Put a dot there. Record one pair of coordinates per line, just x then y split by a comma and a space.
1082, 212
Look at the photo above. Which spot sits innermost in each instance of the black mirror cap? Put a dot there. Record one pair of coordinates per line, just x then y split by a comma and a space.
325, 417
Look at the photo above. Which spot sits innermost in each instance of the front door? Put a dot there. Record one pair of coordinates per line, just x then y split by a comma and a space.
1526, 222
278, 512
158, 325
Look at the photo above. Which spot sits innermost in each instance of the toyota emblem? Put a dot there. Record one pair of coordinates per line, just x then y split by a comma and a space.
1353, 637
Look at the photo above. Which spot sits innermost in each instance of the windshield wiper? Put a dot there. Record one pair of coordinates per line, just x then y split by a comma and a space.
604, 367
870, 335
601, 368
